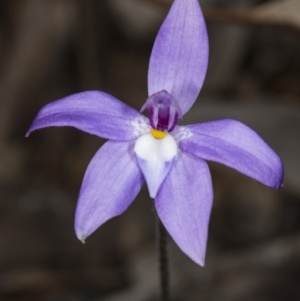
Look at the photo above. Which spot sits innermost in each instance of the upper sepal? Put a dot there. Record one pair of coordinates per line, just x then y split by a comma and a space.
179, 57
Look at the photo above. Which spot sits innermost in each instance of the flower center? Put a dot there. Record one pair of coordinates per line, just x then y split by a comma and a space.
164, 113
158, 134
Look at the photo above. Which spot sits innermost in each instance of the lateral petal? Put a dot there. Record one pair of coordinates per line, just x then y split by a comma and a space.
111, 182
179, 57
232, 143
155, 158
94, 112
184, 204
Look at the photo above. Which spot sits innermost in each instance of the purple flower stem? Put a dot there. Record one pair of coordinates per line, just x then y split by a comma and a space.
163, 261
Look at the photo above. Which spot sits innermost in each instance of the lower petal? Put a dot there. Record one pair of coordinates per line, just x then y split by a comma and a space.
111, 182
184, 204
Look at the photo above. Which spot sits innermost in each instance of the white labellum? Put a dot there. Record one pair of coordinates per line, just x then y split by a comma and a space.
155, 158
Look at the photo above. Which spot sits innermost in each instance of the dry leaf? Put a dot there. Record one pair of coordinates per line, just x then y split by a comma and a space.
280, 12
283, 13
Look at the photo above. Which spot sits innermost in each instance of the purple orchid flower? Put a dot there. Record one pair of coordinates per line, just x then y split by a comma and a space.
170, 158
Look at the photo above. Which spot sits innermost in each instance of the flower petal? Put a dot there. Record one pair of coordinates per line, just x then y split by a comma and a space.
179, 57
155, 158
111, 182
184, 204
234, 144
94, 112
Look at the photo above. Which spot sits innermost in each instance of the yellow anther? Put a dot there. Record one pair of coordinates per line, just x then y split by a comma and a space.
158, 134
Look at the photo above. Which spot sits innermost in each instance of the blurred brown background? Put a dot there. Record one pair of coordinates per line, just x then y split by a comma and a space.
53, 48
